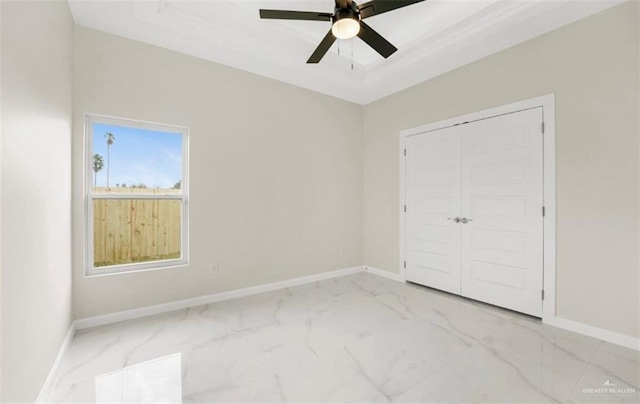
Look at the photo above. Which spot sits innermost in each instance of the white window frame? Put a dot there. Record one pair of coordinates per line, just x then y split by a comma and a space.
90, 270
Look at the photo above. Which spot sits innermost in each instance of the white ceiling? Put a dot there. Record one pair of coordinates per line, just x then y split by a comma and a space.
433, 37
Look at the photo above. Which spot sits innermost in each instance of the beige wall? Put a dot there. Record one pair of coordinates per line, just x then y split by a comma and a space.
638, 26
276, 171
36, 192
592, 67
1, 202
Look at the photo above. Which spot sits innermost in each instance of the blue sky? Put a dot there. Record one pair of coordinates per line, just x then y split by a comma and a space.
139, 155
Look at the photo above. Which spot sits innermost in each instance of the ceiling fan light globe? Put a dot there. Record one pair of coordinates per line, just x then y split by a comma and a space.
345, 28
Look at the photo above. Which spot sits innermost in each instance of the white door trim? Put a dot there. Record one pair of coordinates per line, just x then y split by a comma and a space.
547, 102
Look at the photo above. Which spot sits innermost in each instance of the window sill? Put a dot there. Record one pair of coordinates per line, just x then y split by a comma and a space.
135, 268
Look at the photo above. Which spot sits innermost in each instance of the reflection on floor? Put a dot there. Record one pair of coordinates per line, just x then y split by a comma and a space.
155, 381
358, 338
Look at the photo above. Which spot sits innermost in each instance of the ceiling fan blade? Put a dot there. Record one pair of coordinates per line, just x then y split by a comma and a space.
376, 41
323, 48
375, 7
294, 15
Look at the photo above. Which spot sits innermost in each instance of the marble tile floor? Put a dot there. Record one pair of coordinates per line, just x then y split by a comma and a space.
357, 338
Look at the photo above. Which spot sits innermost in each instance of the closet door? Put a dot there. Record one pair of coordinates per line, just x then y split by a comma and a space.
502, 199
433, 201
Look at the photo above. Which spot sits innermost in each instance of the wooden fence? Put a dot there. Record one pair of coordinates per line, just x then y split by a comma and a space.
135, 230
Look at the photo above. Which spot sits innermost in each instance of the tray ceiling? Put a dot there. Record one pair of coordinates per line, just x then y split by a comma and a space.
432, 37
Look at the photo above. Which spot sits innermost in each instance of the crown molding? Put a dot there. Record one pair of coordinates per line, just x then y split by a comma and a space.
230, 33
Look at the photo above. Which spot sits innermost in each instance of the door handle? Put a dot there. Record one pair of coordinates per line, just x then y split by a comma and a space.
464, 220
455, 219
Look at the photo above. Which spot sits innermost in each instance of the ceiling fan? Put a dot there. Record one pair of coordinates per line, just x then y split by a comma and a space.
347, 23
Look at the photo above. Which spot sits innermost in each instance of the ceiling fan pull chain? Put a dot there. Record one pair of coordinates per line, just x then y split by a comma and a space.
352, 54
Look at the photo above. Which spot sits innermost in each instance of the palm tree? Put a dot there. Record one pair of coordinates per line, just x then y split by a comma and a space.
110, 139
98, 164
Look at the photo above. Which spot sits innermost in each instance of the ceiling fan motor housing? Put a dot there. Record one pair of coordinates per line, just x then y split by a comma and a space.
341, 13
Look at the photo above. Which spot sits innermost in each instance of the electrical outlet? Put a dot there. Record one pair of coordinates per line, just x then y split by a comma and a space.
213, 269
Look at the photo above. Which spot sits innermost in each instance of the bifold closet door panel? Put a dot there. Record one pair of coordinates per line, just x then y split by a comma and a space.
502, 197
433, 200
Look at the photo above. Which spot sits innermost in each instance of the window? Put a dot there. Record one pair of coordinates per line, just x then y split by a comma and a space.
137, 190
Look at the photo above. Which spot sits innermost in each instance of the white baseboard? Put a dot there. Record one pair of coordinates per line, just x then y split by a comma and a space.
595, 332
570, 325
202, 300
46, 387
585, 329
588, 330
385, 274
